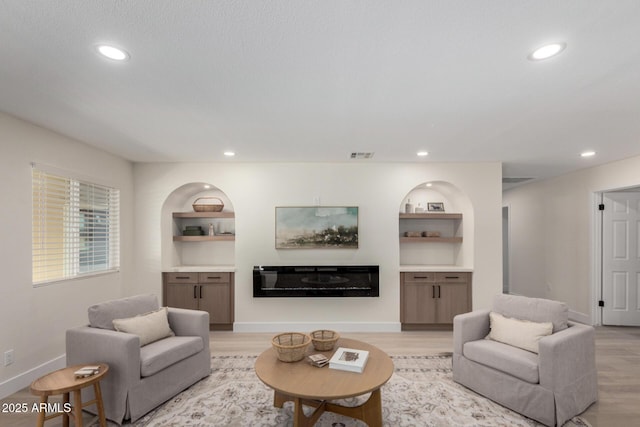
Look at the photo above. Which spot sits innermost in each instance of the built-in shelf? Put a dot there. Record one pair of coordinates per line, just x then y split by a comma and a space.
217, 238
440, 215
449, 217
431, 239
204, 215
183, 218
194, 241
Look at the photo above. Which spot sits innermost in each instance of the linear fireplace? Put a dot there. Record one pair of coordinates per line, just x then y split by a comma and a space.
316, 281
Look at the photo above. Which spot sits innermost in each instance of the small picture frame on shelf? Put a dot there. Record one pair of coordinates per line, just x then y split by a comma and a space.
435, 207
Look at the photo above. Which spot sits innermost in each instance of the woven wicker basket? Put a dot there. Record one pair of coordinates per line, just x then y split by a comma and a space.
291, 346
324, 339
208, 207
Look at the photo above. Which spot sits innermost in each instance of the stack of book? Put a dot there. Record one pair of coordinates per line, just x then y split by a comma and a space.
86, 371
349, 359
193, 230
318, 360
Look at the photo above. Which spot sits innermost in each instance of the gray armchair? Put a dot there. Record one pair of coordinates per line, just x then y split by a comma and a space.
141, 378
552, 386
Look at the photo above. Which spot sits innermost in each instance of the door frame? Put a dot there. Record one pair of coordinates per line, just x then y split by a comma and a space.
597, 251
506, 248
597, 282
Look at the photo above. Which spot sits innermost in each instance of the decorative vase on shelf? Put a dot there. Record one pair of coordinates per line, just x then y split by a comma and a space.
408, 208
419, 209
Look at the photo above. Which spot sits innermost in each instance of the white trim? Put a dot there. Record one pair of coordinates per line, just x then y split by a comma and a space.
17, 383
509, 250
311, 326
596, 254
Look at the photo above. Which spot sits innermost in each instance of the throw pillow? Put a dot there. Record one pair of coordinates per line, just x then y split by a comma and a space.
523, 334
150, 327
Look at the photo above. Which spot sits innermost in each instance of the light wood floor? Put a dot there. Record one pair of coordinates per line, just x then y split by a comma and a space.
617, 353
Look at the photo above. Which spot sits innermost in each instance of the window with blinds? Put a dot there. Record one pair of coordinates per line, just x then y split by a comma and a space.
75, 228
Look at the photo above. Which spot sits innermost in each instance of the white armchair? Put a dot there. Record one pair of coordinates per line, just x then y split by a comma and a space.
551, 386
141, 378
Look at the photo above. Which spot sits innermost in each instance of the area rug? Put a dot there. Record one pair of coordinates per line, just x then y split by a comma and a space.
421, 392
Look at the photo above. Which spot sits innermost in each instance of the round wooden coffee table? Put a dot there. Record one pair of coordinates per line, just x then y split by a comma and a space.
63, 381
305, 384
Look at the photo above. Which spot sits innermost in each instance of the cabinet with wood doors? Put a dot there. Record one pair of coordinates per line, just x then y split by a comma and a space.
430, 300
212, 292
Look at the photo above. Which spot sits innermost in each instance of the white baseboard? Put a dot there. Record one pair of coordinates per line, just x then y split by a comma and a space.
17, 383
311, 326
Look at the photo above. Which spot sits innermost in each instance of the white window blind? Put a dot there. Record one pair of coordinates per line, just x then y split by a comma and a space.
75, 228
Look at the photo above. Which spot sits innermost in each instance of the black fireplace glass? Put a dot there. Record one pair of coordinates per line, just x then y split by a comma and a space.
316, 281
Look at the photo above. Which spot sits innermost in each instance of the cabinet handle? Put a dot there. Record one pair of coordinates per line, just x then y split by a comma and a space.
200, 291
433, 292
420, 277
452, 277
438, 291
194, 292
183, 277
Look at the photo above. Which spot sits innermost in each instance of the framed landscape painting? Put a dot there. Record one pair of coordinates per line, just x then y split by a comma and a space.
317, 227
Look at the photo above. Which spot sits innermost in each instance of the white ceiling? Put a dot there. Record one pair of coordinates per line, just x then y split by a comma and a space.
301, 80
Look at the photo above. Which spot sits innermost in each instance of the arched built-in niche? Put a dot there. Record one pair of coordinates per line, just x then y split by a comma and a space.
454, 224
205, 252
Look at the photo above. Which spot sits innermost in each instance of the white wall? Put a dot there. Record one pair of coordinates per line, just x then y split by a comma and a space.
34, 320
552, 227
378, 189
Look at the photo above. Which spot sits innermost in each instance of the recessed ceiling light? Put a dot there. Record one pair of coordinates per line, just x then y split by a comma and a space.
547, 51
588, 153
112, 52
422, 153
429, 184
229, 153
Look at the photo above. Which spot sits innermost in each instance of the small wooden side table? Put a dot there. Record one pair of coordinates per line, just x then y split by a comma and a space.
63, 381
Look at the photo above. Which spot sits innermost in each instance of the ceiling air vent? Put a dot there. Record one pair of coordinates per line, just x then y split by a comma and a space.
513, 180
355, 155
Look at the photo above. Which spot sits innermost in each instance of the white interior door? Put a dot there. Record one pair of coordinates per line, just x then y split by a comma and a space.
621, 259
